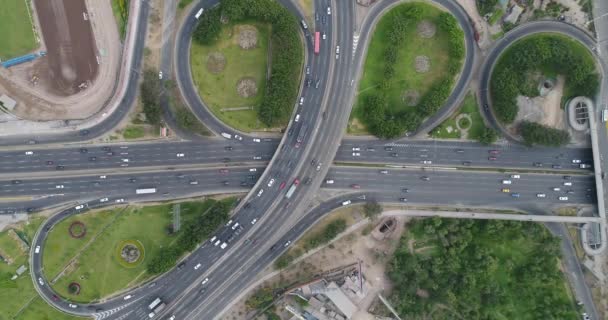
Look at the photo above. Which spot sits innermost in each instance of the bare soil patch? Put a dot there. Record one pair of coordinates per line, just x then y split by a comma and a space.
216, 62
71, 49
410, 97
422, 64
246, 87
545, 109
426, 29
248, 36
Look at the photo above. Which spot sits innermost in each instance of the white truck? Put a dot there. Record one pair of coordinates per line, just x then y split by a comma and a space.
145, 191
226, 135
155, 307
198, 13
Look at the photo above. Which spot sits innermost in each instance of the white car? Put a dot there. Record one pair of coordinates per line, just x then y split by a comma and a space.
515, 176
119, 200
253, 170
160, 75
506, 181
172, 318
198, 265
301, 100
270, 183
217, 242
229, 222
576, 161
236, 225
324, 36
103, 200
329, 181
59, 186
328, 11
237, 137
319, 167
541, 195
127, 297
29, 153
205, 281
563, 198
337, 49
556, 189
287, 243
257, 158
260, 192
79, 207
180, 155
224, 245
40, 281
73, 306
356, 149
213, 239
568, 183
256, 140
297, 118
125, 160
254, 220
427, 162
345, 203
37, 250
356, 154
102, 177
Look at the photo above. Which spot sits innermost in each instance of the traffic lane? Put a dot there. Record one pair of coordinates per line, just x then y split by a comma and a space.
458, 153
479, 188
122, 184
136, 155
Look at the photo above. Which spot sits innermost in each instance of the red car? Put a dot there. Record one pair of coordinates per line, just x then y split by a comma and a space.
355, 186
282, 186
296, 181
494, 152
492, 158
223, 171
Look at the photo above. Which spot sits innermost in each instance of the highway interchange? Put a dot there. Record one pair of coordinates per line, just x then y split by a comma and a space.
78, 177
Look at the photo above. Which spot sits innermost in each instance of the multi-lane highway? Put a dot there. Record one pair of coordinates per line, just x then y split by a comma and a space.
304, 154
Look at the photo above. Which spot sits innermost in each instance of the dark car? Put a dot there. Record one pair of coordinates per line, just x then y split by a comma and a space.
228, 148
30, 210
492, 158
225, 183
225, 160
394, 154
486, 107
308, 180
308, 82
567, 178
84, 132
355, 186
403, 199
111, 153
106, 148
313, 162
425, 178
92, 158
60, 167
132, 180
49, 163
538, 164
317, 84
251, 176
247, 205
181, 265
84, 150
556, 166
388, 148
466, 163
324, 19
405, 190
290, 132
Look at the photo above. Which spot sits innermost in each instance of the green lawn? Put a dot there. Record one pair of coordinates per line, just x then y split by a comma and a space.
219, 90
97, 270
121, 20
18, 294
15, 29
469, 107
406, 78
133, 132
498, 13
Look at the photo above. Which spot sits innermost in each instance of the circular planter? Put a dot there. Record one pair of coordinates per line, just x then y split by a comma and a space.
77, 230
119, 253
74, 288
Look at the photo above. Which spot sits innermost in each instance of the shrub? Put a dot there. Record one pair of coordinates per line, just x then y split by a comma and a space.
534, 133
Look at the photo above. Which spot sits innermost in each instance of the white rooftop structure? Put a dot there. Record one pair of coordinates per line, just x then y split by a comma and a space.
7, 102
342, 302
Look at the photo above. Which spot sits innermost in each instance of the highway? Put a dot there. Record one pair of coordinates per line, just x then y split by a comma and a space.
308, 159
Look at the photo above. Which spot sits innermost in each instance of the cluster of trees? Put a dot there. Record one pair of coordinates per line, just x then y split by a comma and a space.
282, 85
151, 90
372, 209
488, 136
535, 133
192, 233
478, 269
550, 53
486, 6
260, 299
378, 117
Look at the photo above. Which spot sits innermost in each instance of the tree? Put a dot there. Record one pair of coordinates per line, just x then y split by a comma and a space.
163, 261
535, 133
260, 299
372, 209
150, 96
488, 136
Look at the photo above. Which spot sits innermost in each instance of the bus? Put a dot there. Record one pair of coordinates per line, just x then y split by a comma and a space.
145, 191
198, 14
604, 115
317, 42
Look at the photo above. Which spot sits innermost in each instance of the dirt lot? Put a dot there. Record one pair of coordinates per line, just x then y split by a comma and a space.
71, 52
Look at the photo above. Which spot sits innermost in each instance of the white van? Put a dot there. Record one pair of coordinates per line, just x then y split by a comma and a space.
506, 181
224, 245
347, 202
226, 135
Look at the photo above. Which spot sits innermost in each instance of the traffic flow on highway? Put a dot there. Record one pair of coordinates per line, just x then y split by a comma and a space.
276, 179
